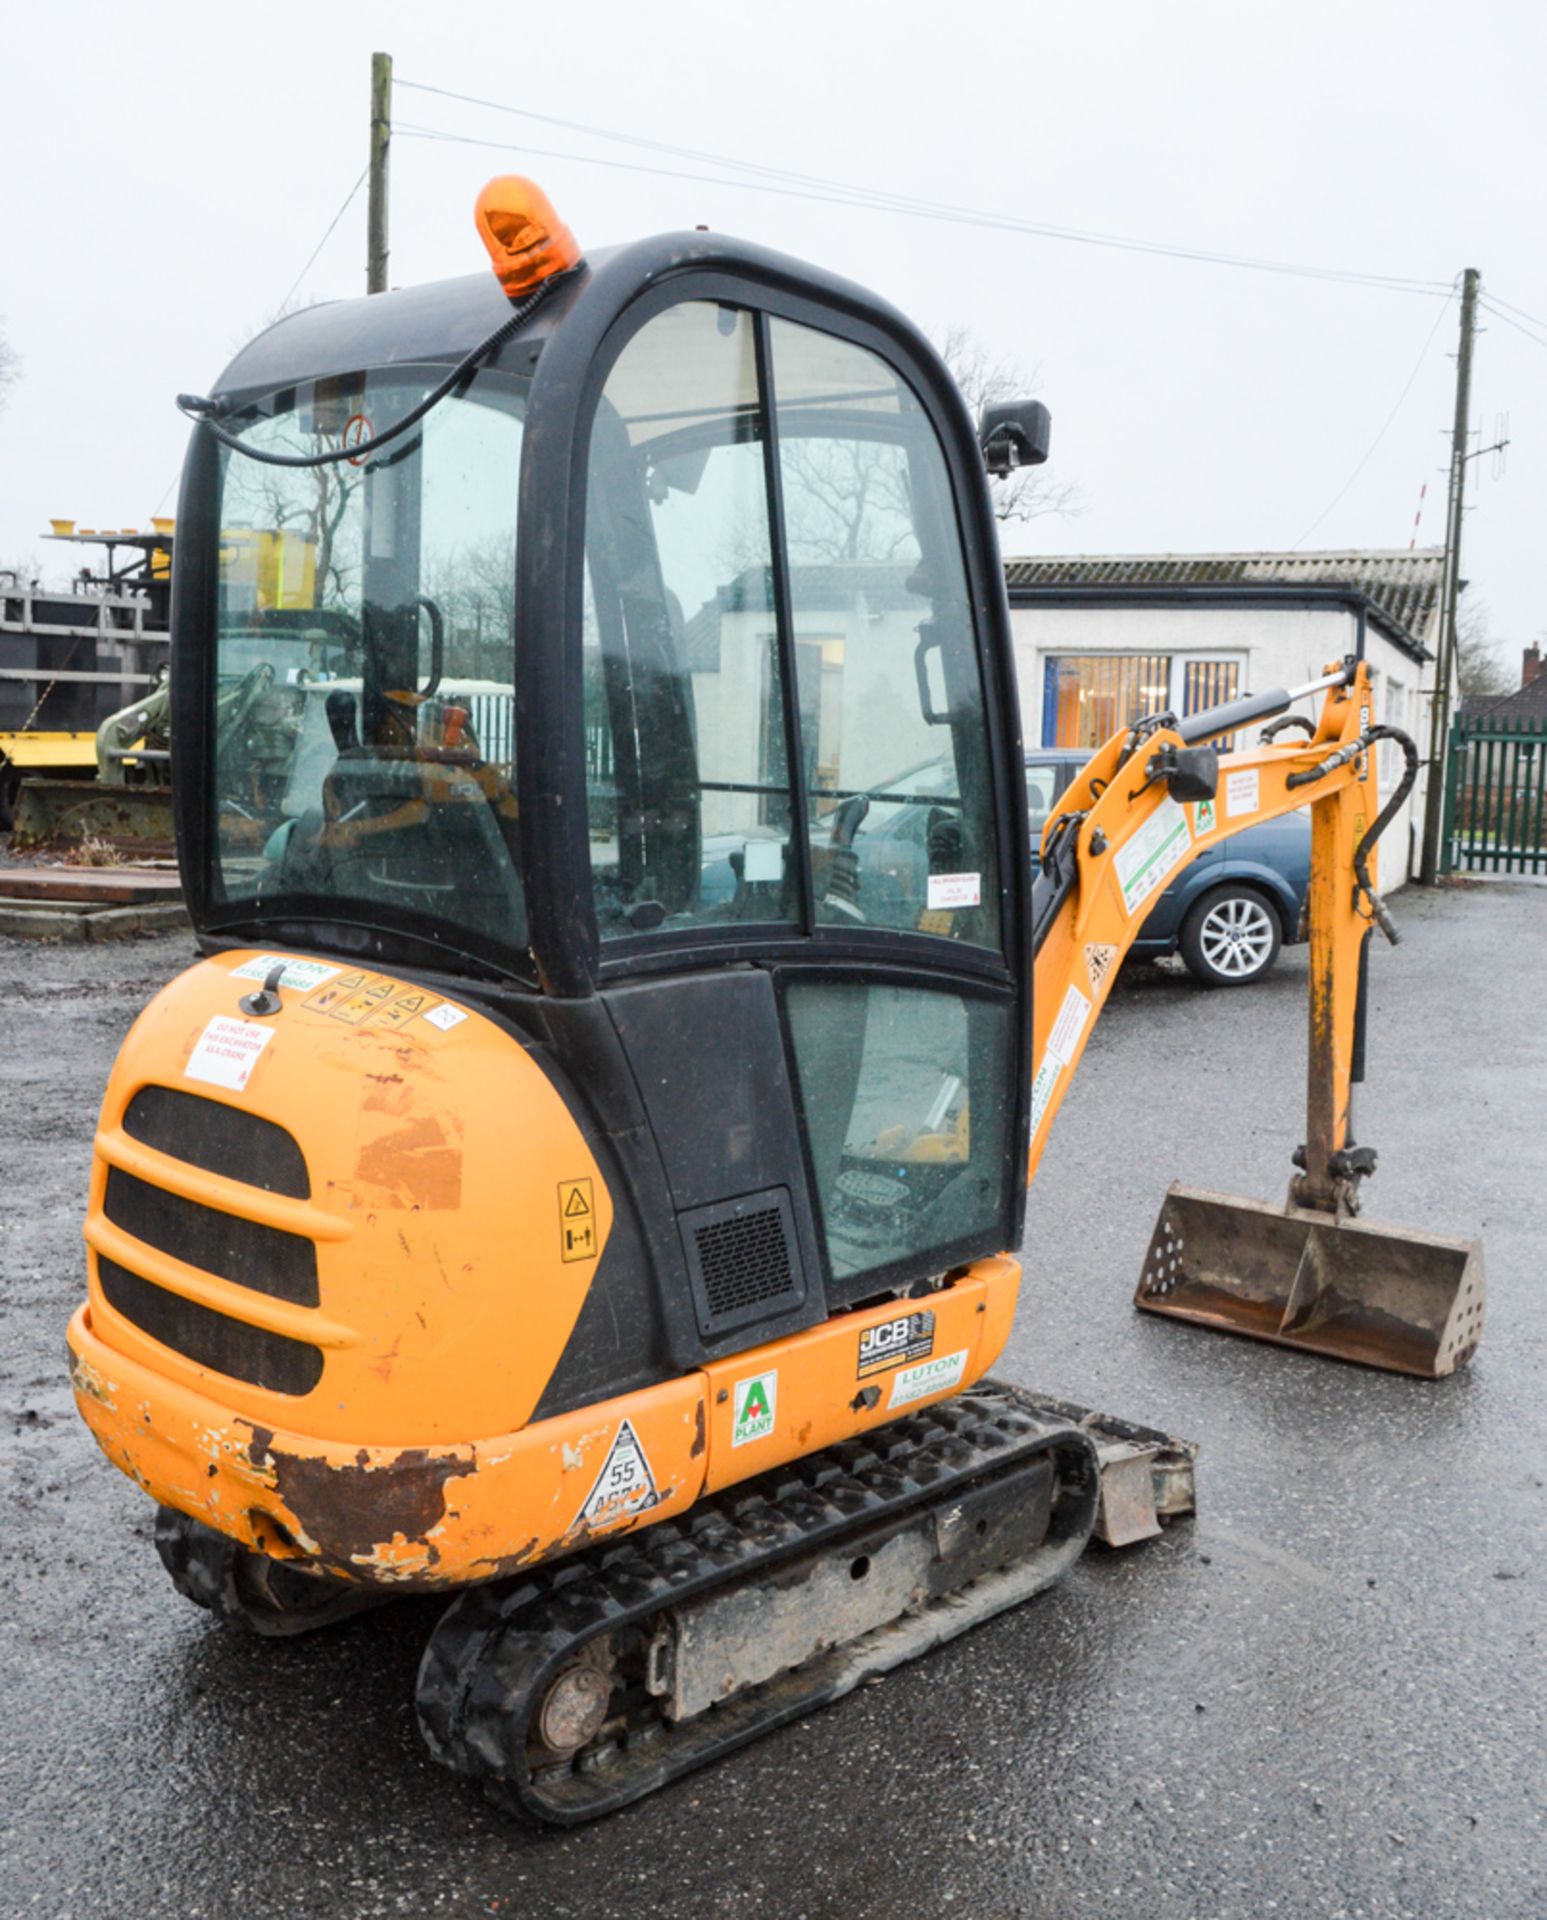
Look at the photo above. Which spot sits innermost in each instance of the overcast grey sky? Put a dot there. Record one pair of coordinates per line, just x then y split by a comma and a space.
166, 172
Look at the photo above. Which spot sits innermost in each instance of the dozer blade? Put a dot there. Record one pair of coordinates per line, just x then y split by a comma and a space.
1380, 1296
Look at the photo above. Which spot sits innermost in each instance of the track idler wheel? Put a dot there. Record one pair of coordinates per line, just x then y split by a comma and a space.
263, 1595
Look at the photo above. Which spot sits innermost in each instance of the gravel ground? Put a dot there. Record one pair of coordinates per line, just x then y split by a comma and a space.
1321, 1698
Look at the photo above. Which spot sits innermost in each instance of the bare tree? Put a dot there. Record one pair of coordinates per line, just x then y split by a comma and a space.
1026, 494
10, 368
1480, 668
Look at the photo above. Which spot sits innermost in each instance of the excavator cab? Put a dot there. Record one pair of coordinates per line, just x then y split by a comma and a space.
622, 653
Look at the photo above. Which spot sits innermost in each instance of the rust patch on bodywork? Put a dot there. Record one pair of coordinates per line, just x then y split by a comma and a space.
698, 1431
356, 1513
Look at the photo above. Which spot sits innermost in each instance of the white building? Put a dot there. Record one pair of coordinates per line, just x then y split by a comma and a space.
1102, 640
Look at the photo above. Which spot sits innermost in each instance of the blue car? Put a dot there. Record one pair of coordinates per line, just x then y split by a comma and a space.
1227, 913
1230, 910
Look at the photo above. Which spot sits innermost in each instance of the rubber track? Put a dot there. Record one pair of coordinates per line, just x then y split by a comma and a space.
496, 1648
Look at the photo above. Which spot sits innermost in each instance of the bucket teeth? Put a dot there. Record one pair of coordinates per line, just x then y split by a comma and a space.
1379, 1296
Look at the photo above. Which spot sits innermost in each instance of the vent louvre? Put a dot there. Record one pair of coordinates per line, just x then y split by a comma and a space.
245, 1252
743, 1260
218, 1138
210, 1339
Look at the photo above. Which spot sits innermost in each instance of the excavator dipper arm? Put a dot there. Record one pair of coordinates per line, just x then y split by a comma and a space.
1150, 801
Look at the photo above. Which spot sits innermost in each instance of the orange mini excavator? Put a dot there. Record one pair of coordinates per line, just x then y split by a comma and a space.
576, 1176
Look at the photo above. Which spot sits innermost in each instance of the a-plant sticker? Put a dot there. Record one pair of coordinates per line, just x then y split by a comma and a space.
754, 1405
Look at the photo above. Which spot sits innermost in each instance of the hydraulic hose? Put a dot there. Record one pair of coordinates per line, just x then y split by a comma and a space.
204, 411
1382, 820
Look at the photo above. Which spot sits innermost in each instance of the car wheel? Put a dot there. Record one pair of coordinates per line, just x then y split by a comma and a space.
1230, 937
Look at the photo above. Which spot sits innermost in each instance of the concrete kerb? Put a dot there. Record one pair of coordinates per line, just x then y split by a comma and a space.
46, 920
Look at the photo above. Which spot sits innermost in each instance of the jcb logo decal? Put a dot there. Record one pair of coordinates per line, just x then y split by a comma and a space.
911, 1336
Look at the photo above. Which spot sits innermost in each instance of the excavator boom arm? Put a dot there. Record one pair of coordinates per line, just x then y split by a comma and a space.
1147, 804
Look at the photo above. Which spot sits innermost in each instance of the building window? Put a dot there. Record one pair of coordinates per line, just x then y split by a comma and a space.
1086, 698
1210, 683
1391, 758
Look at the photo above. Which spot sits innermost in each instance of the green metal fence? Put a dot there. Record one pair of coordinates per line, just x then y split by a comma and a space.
1496, 796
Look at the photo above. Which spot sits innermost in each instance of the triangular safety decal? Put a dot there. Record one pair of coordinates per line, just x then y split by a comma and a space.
625, 1485
1098, 963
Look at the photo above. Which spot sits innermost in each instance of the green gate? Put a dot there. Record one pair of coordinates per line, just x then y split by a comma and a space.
1496, 796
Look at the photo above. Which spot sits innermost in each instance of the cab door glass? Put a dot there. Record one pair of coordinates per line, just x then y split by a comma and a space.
906, 1104
687, 763
895, 773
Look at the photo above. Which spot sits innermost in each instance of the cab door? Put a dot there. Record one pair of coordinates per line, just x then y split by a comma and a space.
800, 862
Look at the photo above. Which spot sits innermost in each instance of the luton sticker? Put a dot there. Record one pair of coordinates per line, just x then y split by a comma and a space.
754, 1409
577, 1220
625, 1486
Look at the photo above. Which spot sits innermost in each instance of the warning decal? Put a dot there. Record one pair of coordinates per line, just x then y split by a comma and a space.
226, 1052
1149, 857
1098, 963
1241, 791
625, 1486
1068, 1027
955, 890
577, 1221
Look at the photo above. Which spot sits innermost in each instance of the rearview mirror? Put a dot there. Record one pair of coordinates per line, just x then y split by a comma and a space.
1017, 434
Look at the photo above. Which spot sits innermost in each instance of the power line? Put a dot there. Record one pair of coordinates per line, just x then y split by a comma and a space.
1407, 388
1490, 306
815, 187
348, 197
1519, 312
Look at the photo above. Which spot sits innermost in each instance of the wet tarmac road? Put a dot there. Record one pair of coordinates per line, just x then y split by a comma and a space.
1323, 1698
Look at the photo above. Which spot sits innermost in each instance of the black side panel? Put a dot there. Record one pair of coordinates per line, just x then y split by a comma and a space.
616, 1345
708, 1059
637, 1324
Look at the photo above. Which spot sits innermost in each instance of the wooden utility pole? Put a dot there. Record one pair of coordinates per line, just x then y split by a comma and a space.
381, 142
1445, 666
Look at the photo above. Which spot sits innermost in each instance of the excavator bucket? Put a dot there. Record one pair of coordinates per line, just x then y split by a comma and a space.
1381, 1296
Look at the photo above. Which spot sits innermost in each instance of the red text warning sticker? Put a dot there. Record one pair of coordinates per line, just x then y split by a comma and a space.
225, 1054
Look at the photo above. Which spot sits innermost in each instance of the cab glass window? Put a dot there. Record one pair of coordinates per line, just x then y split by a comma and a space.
687, 761
894, 765
364, 695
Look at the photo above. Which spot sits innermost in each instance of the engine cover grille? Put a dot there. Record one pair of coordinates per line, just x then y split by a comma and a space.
245, 1252
218, 1138
250, 1254
211, 1339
